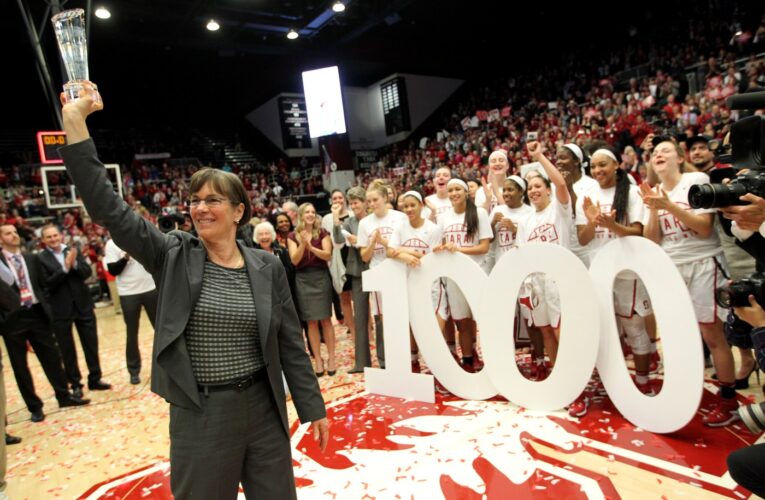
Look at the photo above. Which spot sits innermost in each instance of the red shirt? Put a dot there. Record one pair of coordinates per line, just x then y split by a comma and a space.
310, 260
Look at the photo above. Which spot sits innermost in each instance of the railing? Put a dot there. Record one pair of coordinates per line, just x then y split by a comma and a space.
691, 72
636, 72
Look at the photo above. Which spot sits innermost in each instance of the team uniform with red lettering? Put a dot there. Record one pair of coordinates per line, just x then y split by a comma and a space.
455, 231
386, 226
504, 239
629, 293
539, 295
581, 188
699, 260
422, 240
441, 205
480, 199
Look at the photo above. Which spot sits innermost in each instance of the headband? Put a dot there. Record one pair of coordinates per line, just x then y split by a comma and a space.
518, 180
498, 152
607, 153
576, 150
415, 194
458, 182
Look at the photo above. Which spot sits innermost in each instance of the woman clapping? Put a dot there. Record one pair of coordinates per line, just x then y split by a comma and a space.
310, 248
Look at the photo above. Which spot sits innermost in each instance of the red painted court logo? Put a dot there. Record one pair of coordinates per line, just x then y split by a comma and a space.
383, 447
389, 448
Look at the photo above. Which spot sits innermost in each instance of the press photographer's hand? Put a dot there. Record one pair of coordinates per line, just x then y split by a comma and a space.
754, 314
749, 216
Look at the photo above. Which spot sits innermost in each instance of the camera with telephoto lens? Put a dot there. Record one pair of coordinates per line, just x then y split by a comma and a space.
747, 141
170, 221
726, 195
736, 293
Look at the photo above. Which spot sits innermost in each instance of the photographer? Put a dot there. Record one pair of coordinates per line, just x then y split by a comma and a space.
171, 220
747, 465
747, 221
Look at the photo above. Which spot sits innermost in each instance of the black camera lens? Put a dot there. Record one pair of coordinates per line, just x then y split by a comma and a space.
716, 195
723, 297
734, 295
166, 223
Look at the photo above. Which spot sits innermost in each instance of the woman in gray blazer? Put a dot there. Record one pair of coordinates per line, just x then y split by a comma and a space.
226, 328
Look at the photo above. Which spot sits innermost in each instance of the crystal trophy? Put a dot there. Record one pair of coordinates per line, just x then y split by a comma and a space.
69, 27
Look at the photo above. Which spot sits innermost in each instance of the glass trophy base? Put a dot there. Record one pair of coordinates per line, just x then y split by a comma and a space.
72, 91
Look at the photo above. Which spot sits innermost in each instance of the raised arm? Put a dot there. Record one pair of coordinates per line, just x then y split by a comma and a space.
131, 232
557, 180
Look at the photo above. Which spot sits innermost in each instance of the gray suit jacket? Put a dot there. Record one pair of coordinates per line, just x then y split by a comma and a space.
354, 265
176, 261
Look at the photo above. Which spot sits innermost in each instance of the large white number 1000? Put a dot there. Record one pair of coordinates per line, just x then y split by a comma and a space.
588, 330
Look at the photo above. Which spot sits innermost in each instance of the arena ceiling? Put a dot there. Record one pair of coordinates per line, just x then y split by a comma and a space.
155, 61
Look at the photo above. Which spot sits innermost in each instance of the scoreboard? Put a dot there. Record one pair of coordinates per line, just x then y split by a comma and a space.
48, 144
293, 118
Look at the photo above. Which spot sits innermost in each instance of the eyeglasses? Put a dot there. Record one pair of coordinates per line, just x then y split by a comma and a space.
210, 201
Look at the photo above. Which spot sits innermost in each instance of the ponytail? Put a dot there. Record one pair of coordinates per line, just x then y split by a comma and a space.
471, 216
621, 196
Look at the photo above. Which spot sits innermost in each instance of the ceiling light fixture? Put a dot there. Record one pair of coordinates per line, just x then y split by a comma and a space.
292, 34
212, 25
103, 13
338, 6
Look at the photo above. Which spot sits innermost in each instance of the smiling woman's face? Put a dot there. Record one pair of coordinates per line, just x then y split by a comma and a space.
213, 215
664, 158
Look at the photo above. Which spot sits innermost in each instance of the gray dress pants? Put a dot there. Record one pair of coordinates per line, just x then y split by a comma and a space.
237, 437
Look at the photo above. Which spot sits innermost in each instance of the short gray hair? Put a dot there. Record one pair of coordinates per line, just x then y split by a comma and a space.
357, 193
268, 226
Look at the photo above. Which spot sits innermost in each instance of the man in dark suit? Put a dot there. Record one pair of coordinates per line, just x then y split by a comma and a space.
22, 282
64, 272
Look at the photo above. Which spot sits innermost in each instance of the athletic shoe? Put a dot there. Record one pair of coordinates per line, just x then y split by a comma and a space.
441, 389
725, 412
477, 363
579, 407
539, 372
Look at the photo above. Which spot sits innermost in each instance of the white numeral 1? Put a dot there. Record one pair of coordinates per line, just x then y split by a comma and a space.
397, 378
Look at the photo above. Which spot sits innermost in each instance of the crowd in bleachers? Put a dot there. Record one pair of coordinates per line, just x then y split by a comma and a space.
586, 104
574, 101
586, 109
